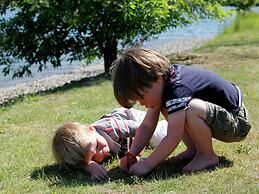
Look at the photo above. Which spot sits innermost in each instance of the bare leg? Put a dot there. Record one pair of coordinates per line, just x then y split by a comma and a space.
190, 152
200, 134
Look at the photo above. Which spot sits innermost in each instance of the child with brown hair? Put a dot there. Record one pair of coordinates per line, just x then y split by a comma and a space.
197, 103
86, 146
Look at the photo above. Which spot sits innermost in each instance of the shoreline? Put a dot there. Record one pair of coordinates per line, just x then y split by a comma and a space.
54, 81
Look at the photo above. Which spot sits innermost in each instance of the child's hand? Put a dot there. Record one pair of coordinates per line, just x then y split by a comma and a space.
140, 168
127, 161
97, 171
123, 164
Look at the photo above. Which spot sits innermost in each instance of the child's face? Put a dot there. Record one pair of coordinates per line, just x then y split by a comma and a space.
152, 97
100, 149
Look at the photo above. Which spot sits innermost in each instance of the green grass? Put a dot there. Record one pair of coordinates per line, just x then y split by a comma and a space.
245, 31
28, 123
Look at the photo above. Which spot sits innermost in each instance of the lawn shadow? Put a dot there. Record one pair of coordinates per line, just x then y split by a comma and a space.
186, 58
84, 82
59, 175
171, 168
167, 169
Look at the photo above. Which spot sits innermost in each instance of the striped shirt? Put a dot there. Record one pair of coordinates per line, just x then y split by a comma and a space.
118, 128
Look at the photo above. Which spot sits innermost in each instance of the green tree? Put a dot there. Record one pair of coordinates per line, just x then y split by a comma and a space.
241, 5
47, 30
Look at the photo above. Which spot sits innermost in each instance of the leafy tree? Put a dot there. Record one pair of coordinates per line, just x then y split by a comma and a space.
47, 30
241, 5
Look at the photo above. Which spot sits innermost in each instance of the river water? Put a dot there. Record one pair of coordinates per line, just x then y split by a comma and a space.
204, 29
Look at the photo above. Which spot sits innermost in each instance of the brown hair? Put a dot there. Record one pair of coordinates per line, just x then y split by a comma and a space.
67, 144
134, 71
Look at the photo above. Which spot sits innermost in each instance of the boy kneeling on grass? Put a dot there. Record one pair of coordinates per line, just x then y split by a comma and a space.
197, 103
85, 146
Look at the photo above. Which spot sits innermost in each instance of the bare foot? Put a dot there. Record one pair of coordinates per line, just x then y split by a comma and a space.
185, 155
201, 162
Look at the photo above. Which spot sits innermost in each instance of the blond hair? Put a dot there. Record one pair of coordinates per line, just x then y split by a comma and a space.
71, 143
134, 71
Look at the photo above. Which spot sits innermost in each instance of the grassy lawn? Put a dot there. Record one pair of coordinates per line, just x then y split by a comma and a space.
28, 124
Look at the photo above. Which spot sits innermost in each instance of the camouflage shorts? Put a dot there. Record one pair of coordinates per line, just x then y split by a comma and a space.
227, 126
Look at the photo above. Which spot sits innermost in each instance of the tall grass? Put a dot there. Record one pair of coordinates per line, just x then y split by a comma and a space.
27, 126
244, 31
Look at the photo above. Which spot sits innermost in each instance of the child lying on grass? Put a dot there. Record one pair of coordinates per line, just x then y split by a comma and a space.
86, 146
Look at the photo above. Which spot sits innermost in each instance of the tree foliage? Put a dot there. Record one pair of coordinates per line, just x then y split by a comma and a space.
42, 31
241, 5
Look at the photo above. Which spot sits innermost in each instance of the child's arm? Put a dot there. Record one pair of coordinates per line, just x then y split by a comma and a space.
175, 132
97, 171
142, 137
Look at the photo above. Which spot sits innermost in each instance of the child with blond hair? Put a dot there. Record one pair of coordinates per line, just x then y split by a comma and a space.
198, 104
85, 146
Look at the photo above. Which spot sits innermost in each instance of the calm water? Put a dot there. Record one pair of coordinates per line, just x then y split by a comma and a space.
204, 29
